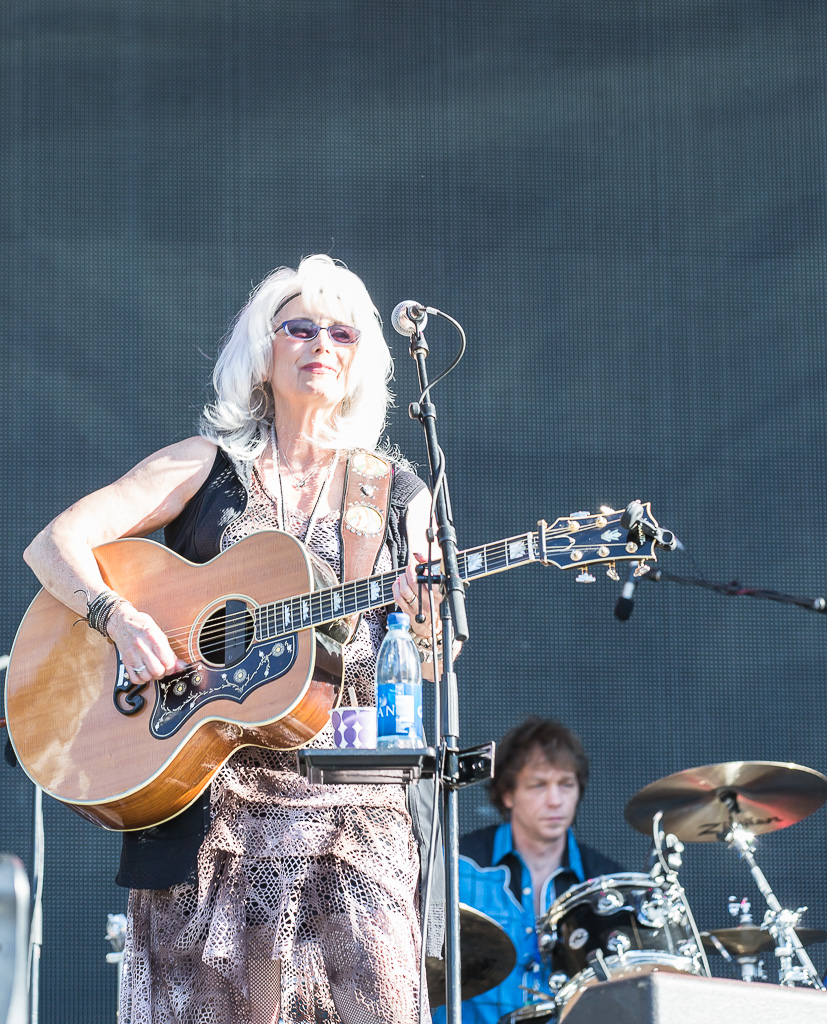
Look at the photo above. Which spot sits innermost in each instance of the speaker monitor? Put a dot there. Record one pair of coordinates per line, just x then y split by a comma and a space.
672, 998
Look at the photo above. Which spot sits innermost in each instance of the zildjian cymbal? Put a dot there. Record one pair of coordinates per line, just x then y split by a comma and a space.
699, 804
748, 940
487, 954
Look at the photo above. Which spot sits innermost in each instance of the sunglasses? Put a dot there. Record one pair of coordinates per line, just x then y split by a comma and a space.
306, 330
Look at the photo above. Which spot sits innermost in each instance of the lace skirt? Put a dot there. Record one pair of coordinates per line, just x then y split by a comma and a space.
305, 910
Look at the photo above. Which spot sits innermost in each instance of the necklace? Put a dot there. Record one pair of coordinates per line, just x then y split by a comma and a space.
300, 481
314, 514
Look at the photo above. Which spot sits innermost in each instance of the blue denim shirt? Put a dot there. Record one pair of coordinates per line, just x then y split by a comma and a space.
487, 889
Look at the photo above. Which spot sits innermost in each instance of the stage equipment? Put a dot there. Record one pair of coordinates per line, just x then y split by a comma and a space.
14, 940
488, 957
731, 802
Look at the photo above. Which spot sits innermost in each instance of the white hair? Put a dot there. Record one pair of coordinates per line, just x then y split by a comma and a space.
239, 419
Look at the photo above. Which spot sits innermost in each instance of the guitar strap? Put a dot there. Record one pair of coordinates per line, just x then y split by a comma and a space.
363, 524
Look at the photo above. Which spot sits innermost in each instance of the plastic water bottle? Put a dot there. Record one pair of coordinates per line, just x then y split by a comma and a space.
399, 688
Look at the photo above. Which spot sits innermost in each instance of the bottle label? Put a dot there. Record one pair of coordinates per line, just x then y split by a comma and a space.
399, 710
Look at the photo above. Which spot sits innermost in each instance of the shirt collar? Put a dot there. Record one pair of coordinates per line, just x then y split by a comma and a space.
572, 858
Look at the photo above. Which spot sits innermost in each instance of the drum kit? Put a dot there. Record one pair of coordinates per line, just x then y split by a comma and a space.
627, 924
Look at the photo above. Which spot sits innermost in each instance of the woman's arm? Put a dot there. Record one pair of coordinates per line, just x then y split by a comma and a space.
146, 498
406, 590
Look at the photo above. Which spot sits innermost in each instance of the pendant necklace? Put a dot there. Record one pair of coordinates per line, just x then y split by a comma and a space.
301, 482
328, 480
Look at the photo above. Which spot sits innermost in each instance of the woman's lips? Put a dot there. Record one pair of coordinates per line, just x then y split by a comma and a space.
318, 368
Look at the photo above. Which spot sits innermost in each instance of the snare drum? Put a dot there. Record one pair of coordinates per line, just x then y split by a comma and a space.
537, 1013
640, 962
617, 915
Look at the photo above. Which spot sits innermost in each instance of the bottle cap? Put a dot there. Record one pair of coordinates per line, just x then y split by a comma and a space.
399, 619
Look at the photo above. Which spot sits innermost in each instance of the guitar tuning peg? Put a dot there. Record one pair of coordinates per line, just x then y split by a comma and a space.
642, 569
584, 577
612, 573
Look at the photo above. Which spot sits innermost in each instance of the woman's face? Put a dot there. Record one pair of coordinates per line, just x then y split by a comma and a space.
311, 372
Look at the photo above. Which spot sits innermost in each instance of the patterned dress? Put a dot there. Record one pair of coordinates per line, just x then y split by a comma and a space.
305, 910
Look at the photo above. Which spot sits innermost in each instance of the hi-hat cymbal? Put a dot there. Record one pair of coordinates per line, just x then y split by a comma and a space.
699, 804
748, 940
488, 956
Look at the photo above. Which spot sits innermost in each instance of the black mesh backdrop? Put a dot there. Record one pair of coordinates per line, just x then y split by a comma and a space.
624, 205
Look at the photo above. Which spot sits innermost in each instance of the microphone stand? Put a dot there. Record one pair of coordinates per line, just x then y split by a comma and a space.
454, 625
734, 589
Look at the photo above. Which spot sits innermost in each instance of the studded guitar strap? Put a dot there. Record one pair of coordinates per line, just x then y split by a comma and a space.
363, 523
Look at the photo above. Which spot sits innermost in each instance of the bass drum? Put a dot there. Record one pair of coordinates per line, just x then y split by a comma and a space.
630, 965
617, 915
537, 1013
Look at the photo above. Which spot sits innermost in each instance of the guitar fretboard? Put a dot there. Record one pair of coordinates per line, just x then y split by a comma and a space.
321, 606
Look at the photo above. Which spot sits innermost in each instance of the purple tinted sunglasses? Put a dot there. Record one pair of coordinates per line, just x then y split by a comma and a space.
306, 330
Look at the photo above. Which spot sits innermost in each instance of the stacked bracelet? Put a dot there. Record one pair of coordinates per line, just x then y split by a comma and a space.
98, 612
425, 647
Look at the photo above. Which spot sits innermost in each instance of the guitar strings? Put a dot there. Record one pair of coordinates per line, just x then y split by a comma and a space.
360, 589
235, 627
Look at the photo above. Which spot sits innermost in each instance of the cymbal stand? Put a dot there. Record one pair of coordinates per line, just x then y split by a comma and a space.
780, 923
751, 968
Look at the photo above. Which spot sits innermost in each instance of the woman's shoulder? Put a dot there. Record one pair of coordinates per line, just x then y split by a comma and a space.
406, 486
178, 469
196, 449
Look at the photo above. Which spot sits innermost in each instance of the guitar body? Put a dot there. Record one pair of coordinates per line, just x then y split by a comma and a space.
128, 757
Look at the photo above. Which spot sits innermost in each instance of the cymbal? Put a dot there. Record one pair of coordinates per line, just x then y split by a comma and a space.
749, 940
488, 956
768, 795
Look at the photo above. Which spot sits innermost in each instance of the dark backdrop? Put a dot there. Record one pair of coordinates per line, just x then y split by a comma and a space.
623, 202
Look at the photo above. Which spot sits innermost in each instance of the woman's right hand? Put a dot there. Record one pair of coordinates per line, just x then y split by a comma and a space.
143, 645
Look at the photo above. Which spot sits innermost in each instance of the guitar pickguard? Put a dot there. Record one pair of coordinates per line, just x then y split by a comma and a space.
178, 697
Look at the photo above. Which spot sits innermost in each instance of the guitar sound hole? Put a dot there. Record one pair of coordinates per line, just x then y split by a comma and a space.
227, 635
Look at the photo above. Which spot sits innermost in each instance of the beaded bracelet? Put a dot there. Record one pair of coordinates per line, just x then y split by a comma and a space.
99, 611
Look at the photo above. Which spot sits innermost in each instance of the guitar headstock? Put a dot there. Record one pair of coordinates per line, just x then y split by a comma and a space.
607, 537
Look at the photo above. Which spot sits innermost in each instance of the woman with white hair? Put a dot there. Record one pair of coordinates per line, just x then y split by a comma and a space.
269, 899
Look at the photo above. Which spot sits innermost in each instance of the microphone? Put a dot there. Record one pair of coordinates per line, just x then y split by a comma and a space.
409, 317
625, 603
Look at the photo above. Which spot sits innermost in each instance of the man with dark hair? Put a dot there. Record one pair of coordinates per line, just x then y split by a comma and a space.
514, 871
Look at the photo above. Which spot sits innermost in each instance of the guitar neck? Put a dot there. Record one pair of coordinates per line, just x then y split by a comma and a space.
322, 606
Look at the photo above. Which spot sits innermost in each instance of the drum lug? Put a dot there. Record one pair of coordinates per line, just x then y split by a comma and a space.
548, 940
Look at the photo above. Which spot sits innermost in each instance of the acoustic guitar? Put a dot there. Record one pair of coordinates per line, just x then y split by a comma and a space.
260, 627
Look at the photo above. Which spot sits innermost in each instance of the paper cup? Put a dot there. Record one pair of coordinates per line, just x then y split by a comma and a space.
354, 728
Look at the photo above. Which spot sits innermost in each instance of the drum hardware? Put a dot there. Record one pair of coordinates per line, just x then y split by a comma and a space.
668, 851
732, 802
597, 962
724, 941
543, 1007
780, 923
619, 925
544, 1012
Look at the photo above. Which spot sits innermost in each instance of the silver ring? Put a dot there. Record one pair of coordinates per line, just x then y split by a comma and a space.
139, 668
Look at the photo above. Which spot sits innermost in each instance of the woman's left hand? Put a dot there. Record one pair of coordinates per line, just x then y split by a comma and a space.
406, 595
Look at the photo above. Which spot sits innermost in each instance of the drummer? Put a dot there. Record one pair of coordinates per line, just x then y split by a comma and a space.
514, 871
